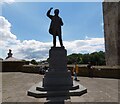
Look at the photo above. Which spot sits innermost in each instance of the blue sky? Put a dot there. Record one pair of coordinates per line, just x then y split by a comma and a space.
29, 20
83, 21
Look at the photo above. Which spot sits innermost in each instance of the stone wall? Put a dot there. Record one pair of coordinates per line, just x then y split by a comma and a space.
12, 66
31, 69
119, 33
112, 32
98, 71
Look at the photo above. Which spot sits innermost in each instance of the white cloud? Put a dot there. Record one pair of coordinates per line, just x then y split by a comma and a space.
32, 49
5, 29
102, 24
85, 46
7, 1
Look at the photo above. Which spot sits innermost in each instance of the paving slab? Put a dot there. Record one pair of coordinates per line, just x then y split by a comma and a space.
16, 84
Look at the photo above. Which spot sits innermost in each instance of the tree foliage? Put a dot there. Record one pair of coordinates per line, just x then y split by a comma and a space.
96, 58
34, 62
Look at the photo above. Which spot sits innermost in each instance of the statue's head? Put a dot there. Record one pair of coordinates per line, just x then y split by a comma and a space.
56, 11
10, 50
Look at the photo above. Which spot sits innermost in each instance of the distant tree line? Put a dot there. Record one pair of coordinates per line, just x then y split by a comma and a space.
96, 58
34, 62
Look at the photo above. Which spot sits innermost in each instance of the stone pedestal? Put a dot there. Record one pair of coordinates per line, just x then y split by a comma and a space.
58, 75
57, 81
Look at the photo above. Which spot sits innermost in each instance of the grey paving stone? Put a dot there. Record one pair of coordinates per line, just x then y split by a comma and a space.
16, 84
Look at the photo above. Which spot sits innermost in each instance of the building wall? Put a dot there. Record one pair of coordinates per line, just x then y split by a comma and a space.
119, 33
12, 66
111, 34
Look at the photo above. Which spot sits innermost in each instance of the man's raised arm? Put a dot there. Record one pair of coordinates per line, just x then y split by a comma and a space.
48, 13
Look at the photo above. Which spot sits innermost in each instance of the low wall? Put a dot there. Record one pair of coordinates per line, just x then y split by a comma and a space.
98, 71
106, 72
30, 68
12, 66
33, 68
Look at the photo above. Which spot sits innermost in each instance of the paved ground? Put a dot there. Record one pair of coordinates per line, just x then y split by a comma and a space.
16, 84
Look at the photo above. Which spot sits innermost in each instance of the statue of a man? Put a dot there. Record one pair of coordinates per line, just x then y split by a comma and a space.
9, 54
55, 26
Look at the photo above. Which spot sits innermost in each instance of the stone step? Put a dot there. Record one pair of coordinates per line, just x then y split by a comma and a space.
41, 94
57, 88
38, 94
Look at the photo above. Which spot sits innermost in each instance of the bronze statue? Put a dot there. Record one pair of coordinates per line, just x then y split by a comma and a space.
55, 26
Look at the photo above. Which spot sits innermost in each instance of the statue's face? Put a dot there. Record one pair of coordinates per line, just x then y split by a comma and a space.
56, 11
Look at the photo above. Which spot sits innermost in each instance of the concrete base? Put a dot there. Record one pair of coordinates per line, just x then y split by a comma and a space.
38, 91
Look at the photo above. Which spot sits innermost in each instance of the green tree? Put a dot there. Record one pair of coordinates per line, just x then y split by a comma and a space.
85, 58
97, 58
34, 62
73, 58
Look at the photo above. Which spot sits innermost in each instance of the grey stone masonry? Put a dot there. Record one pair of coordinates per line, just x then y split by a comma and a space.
111, 14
